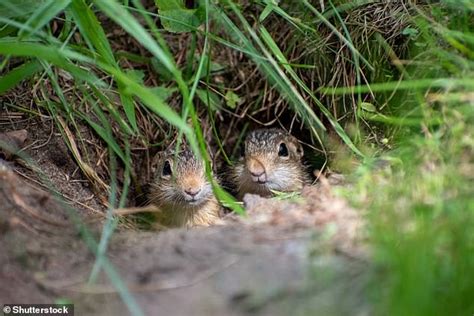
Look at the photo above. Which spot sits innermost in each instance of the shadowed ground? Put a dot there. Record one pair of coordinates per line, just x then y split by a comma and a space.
248, 266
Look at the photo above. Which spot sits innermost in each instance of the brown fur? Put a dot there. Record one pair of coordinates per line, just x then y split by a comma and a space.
262, 163
169, 192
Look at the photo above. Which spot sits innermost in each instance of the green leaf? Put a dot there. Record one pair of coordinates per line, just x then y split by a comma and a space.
18, 74
163, 92
232, 99
369, 107
410, 31
176, 18
170, 4
180, 20
266, 12
135, 74
213, 101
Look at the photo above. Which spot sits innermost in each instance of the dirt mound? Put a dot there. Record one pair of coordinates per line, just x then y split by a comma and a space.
240, 268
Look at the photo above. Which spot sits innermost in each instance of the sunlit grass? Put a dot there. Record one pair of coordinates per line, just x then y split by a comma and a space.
421, 211
421, 208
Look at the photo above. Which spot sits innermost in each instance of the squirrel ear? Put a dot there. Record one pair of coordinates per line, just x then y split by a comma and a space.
297, 149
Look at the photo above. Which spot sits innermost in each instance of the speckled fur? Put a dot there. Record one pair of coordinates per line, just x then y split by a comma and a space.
284, 174
168, 192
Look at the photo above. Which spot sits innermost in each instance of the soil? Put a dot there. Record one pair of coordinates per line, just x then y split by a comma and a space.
299, 256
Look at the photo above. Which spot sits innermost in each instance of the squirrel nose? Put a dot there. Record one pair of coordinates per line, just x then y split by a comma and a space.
257, 173
192, 191
255, 168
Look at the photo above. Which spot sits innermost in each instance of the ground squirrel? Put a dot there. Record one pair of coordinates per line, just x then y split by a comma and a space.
271, 161
182, 192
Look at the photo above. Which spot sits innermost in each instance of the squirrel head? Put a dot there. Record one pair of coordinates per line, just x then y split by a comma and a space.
271, 161
180, 181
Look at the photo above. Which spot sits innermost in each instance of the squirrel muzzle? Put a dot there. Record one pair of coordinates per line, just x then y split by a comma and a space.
191, 188
257, 170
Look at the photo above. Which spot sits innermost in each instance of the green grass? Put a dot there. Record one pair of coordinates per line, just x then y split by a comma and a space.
421, 209
406, 98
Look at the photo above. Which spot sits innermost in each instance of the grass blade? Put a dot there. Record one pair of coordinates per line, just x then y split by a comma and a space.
341, 37
97, 41
122, 17
60, 59
417, 84
92, 31
43, 15
284, 62
272, 70
15, 76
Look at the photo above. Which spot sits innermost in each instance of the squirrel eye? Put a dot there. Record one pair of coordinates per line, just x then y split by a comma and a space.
283, 150
166, 169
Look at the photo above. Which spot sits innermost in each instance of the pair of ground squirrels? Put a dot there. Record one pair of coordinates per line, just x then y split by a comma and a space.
271, 161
